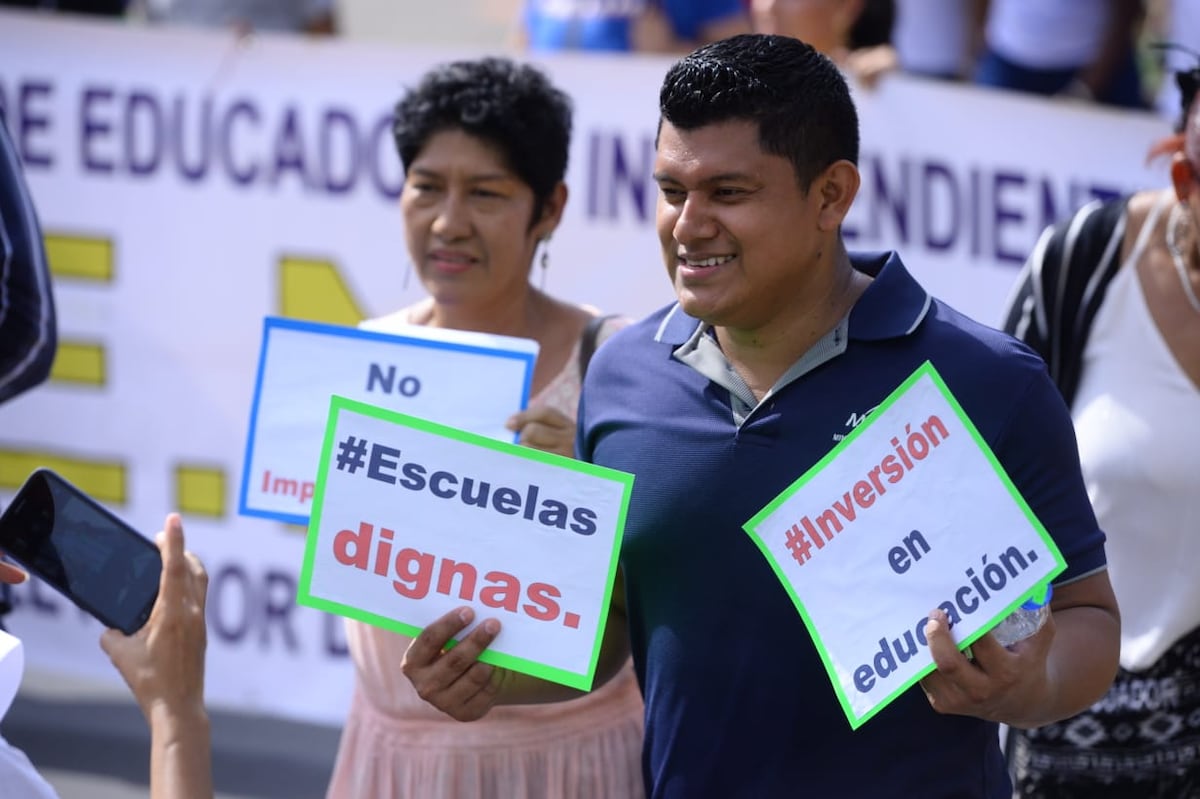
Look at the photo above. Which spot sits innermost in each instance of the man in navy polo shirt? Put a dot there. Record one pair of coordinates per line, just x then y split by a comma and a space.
779, 343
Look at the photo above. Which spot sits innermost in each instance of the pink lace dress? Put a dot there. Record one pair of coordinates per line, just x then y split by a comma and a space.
396, 745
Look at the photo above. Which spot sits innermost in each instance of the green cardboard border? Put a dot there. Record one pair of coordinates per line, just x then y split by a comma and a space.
925, 369
304, 596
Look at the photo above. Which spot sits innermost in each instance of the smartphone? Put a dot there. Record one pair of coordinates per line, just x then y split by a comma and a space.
70, 541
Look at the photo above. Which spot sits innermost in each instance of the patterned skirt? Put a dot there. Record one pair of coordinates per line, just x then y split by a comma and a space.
1141, 740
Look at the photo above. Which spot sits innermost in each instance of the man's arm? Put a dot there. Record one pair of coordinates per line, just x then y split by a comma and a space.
455, 682
1056, 673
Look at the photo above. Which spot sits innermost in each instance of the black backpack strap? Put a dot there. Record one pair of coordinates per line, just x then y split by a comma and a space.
5, 602
587, 341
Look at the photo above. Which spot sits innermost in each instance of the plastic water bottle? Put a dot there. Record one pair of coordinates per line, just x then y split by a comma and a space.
1025, 620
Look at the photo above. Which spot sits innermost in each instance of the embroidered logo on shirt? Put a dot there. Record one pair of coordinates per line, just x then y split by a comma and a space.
854, 420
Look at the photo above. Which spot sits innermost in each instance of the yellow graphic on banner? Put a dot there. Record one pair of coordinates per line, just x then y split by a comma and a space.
200, 490
106, 481
79, 362
313, 290
80, 257
84, 258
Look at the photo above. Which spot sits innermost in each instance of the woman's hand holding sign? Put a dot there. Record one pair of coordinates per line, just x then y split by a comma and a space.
453, 680
546, 429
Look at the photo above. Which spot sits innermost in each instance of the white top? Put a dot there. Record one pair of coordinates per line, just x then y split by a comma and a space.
1047, 34
18, 778
931, 36
1136, 418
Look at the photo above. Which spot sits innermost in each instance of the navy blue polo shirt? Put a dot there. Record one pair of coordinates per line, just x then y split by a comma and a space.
737, 700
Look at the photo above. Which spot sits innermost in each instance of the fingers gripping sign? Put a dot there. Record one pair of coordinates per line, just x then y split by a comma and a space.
993, 682
452, 679
546, 429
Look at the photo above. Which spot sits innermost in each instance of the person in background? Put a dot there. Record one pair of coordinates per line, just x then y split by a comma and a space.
315, 17
1111, 300
28, 329
28, 341
28, 323
163, 665
719, 401
856, 34
1066, 48
100, 8
484, 146
1176, 36
644, 26
933, 38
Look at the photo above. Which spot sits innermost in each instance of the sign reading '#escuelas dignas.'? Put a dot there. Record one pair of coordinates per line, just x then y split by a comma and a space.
412, 519
185, 203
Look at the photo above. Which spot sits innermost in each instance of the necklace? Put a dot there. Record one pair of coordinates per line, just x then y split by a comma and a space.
1177, 257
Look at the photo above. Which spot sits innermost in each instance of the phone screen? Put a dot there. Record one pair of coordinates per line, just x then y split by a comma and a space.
67, 539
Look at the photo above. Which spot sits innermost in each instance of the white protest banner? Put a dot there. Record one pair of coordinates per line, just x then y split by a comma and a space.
911, 511
241, 178
474, 381
412, 519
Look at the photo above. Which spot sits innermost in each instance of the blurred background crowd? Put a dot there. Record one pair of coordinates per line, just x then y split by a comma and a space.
1105, 51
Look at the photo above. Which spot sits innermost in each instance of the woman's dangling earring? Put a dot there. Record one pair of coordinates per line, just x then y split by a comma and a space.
545, 262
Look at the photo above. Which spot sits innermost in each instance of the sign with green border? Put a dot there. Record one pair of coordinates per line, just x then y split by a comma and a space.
412, 519
911, 511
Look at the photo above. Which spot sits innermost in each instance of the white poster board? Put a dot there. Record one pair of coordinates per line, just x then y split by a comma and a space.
412, 519
909, 512
474, 381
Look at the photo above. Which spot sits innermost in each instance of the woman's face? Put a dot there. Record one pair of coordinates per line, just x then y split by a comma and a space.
468, 221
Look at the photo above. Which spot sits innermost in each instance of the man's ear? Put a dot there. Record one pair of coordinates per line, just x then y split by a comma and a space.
837, 187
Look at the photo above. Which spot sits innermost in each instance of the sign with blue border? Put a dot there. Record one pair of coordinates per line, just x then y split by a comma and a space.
470, 381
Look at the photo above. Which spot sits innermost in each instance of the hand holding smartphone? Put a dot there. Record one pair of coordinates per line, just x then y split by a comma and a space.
88, 554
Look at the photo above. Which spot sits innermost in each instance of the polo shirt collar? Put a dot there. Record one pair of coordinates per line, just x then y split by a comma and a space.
892, 306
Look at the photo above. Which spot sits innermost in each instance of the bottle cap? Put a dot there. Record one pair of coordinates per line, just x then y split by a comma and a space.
1039, 599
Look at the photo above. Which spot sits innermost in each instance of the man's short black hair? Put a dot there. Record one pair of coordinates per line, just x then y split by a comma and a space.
798, 98
512, 106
